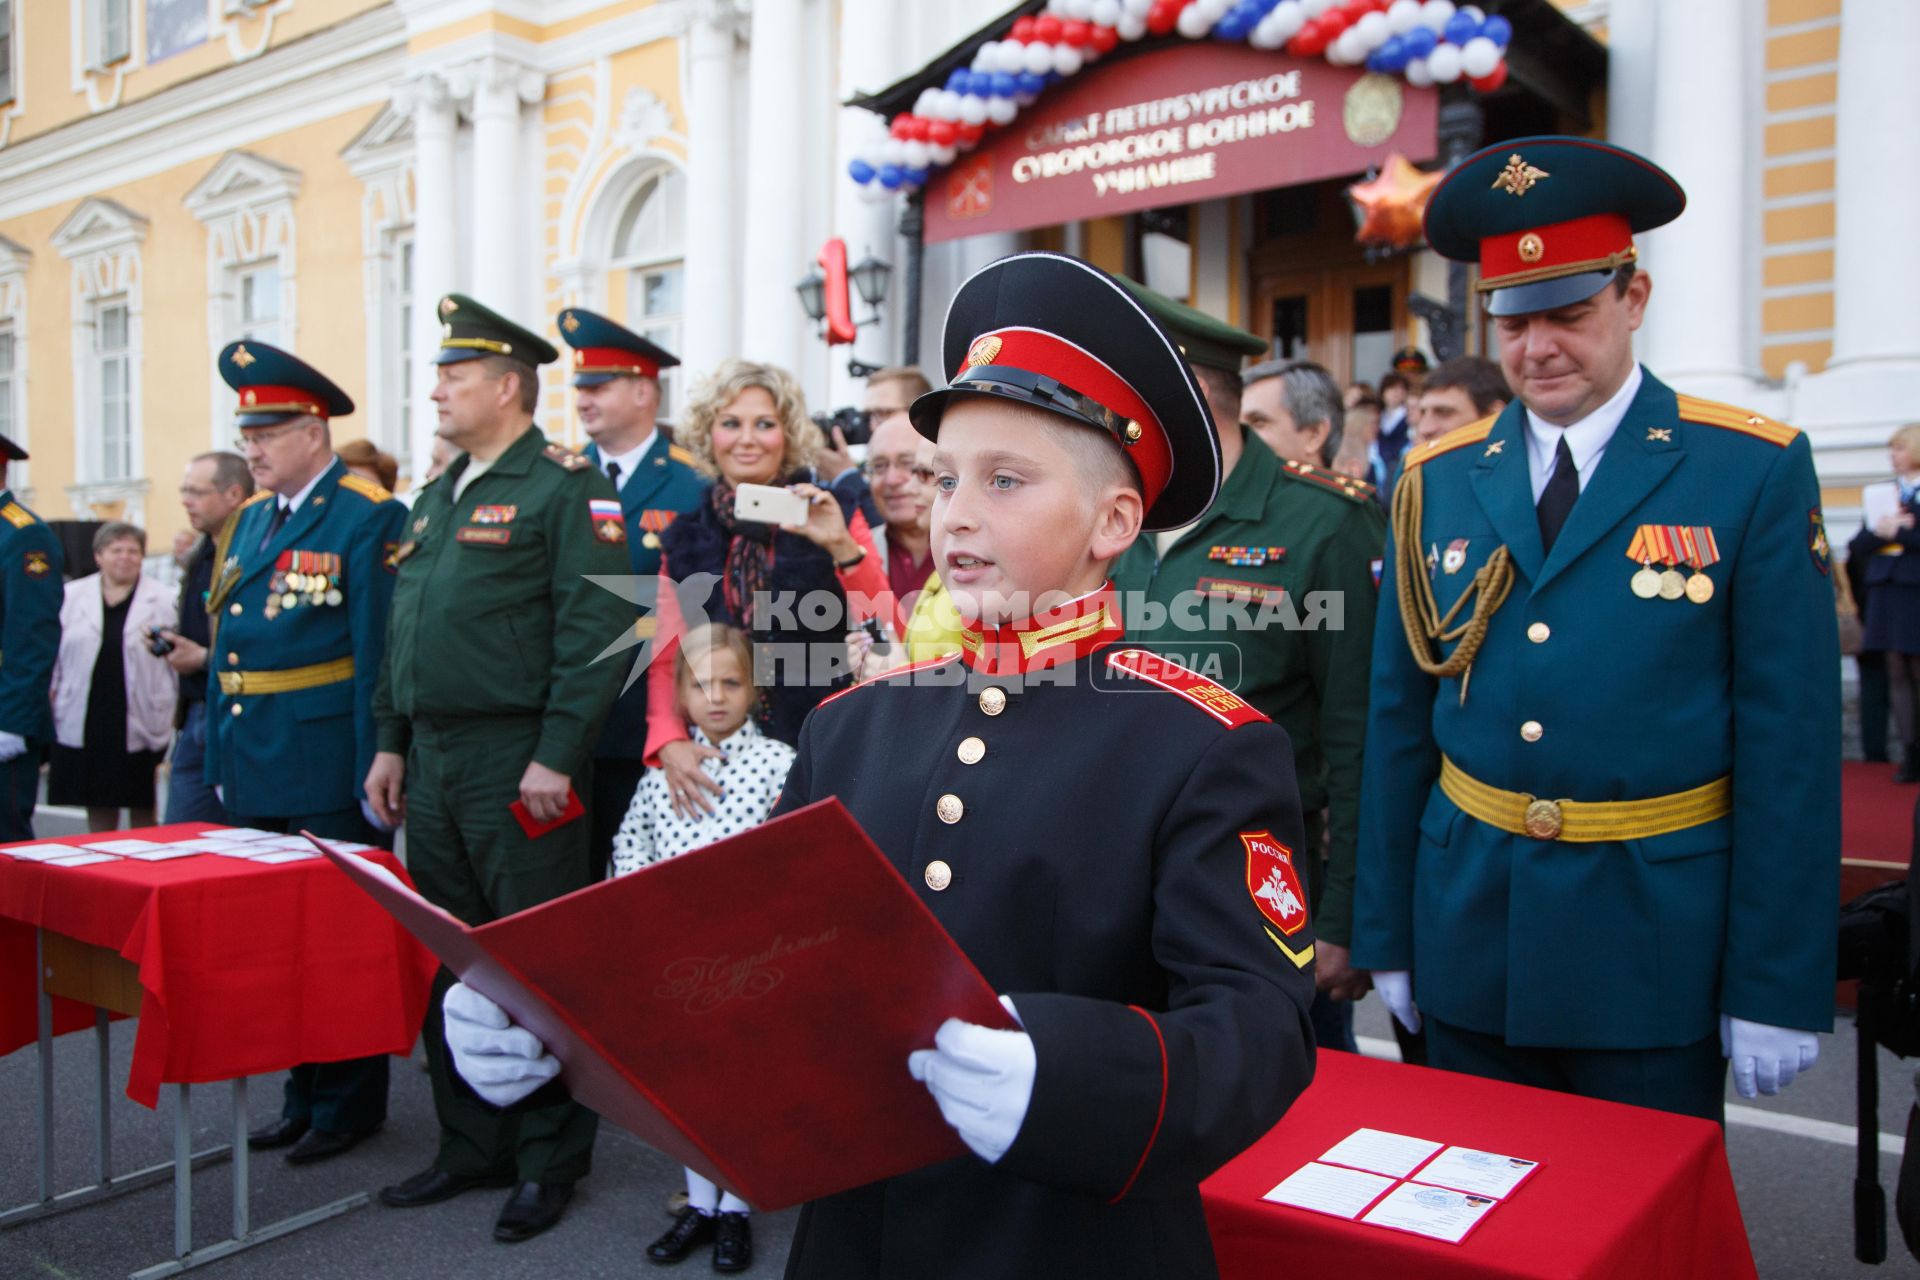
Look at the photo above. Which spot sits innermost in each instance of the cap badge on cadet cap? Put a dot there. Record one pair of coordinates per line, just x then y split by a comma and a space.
571, 323
1518, 177
1532, 247
448, 306
983, 352
242, 357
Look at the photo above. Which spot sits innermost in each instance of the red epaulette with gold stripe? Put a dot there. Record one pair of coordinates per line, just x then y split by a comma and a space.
887, 675
1458, 438
1712, 413
1344, 485
1224, 705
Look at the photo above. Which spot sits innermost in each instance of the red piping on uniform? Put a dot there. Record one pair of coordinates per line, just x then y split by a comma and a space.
1158, 1115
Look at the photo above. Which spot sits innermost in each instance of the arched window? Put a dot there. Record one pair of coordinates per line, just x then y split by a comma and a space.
649, 249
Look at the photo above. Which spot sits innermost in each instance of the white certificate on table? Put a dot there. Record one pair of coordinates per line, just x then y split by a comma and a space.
125, 848
1329, 1189
80, 858
1377, 1151
1482, 1173
1430, 1211
242, 833
42, 852
283, 855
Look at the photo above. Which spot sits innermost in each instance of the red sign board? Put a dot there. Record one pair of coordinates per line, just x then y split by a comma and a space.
1185, 123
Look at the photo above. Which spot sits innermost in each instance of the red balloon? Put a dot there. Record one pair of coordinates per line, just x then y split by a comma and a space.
1333, 22
1105, 39
1023, 30
922, 129
1074, 33
971, 133
1493, 79
1046, 29
900, 125
941, 133
1161, 17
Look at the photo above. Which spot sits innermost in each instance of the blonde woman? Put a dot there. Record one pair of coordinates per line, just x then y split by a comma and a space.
787, 588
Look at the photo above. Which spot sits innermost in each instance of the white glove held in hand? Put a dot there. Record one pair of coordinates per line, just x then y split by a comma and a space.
1396, 988
373, 819
12, 747
982, 1080
504, 1063
1766, 1059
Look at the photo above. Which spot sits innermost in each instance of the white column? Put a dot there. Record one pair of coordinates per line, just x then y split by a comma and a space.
1876, 257
867, 63
711, 333
1700, 325
1631, 73
427, 100
500, 87
775, 252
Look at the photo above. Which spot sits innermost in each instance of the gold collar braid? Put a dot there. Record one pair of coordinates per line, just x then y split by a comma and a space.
1418, 609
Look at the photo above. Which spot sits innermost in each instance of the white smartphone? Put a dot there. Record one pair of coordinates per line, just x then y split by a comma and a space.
769, 504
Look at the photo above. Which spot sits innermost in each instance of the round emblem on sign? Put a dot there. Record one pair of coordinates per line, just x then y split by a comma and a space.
1372, 110
1532, 248
983, 352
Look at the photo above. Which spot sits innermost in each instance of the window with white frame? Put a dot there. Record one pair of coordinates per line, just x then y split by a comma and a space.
9, 382
257, 302
109, 32
113, 359
7, 92
649, 245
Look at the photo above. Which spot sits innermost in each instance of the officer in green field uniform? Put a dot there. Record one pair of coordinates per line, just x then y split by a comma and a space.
1285, 558
1601, 810
30, 598
616, 393
490, 697
298, 614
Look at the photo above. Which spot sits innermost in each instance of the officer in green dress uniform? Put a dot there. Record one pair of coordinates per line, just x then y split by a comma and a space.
298, 614
31, 593
492, 697
1283, 562
616, 384
1601, 809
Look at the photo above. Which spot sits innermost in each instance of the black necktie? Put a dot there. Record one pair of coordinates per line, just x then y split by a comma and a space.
613, 474
280, 510
1556, 500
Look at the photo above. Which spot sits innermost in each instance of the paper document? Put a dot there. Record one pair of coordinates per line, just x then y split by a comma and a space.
1329, 1189
1377, 1151
1479, 1172
1430, 1211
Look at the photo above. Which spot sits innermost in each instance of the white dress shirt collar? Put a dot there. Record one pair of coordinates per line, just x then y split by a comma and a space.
630, 460
1586, 439
293, 504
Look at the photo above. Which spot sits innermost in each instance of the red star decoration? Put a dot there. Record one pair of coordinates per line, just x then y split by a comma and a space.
1393, 204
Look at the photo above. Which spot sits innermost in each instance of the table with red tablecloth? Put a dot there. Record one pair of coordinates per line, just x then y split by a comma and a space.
245, 968
1622, 1191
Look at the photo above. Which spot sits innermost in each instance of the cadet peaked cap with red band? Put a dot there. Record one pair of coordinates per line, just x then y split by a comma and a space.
1548, 219
603, 350
1053, 332
275, 385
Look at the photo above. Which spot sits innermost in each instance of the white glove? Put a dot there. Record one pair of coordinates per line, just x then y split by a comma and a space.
373, 819
1766, 1059
503, 1062
1396, 988
12, 746
982, 1080
220, 793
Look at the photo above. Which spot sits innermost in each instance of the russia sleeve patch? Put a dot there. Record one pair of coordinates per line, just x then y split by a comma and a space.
1274, 882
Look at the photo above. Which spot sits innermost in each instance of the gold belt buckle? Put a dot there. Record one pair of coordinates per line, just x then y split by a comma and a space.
1543, 819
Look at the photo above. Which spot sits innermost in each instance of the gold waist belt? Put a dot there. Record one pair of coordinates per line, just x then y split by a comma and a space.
233, 683
1581, 822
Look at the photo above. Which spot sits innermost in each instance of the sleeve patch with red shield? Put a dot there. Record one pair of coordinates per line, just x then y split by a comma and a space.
1274, 882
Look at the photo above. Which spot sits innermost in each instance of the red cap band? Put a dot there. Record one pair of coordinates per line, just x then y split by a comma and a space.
613, 360
1080, 371
265, 399
1597, 242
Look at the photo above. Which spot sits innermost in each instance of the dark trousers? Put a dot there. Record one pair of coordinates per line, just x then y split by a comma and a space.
469, 856
614, 782
1875, 701
349, 1096
1690, 1080
190, 797
19, 788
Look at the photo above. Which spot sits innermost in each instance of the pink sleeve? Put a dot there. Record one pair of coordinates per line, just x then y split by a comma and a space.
663, 714
869, 595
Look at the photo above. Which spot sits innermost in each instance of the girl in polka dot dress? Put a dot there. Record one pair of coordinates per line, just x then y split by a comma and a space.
714, 685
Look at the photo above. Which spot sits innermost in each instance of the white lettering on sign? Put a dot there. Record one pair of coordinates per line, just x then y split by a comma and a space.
1166, 173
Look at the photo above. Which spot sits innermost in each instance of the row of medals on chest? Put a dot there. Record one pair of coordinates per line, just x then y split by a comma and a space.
288, 589
1668, 584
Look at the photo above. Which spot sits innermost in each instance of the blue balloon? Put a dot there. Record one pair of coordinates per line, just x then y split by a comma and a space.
915, 177
1461, 28
957, 82
891, 176
1228, 29
1498, 30
1392, 55
1376, 61
1420, 42
1029, 82
980, 84
861, 172
1004, 85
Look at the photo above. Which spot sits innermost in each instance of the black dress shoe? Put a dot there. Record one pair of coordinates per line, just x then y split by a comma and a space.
281, 1133
435, 1185
318, 1144
733, 1246
689, 1231
531, 1209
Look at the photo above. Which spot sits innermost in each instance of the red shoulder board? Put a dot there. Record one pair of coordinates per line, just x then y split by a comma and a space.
1224, 705
887, 675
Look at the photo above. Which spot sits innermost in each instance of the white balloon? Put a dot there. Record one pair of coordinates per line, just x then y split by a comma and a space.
1216, 9
1444, 63
924, 104
1079, 10
1351, 46
1315, 8
873, 193
1057, 7
1403, 16
1130, 27
1136, 8
1002, 110
943, 155
1479, 56
917, 155
1013, 57
1417, 74
949, 104
1105, 13
1373, 31
1067, 59
1288, 17
1263, 36
1436, 12
986, 57
1193, 22
896, 152
1038, 58
1475, 12
973, 110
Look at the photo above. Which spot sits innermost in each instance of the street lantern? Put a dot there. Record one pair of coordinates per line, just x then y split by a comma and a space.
813, 294
870, 279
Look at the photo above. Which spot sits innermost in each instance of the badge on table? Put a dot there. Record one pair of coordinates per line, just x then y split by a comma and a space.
607, 523
1274, 882
1673, 545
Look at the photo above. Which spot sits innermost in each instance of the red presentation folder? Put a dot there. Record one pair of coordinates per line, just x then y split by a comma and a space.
746, 1008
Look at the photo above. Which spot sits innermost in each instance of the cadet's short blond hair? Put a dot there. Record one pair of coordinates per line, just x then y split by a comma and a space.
725, 385
1908, 438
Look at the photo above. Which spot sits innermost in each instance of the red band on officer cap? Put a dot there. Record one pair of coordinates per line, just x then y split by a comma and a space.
268, 399
1597, 242
1081, 371
613, 360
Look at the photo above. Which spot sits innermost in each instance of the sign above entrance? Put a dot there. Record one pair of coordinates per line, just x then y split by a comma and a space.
1181, 124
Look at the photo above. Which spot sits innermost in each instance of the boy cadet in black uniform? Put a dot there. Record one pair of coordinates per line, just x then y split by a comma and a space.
1110, 837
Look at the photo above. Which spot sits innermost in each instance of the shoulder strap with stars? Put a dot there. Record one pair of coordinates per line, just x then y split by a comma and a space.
565, 458
1458, 438
1712, 413
1333, 481
364, 487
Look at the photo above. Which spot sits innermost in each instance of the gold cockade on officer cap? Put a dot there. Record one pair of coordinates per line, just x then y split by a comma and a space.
983, 352
242, 357
1518, 177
